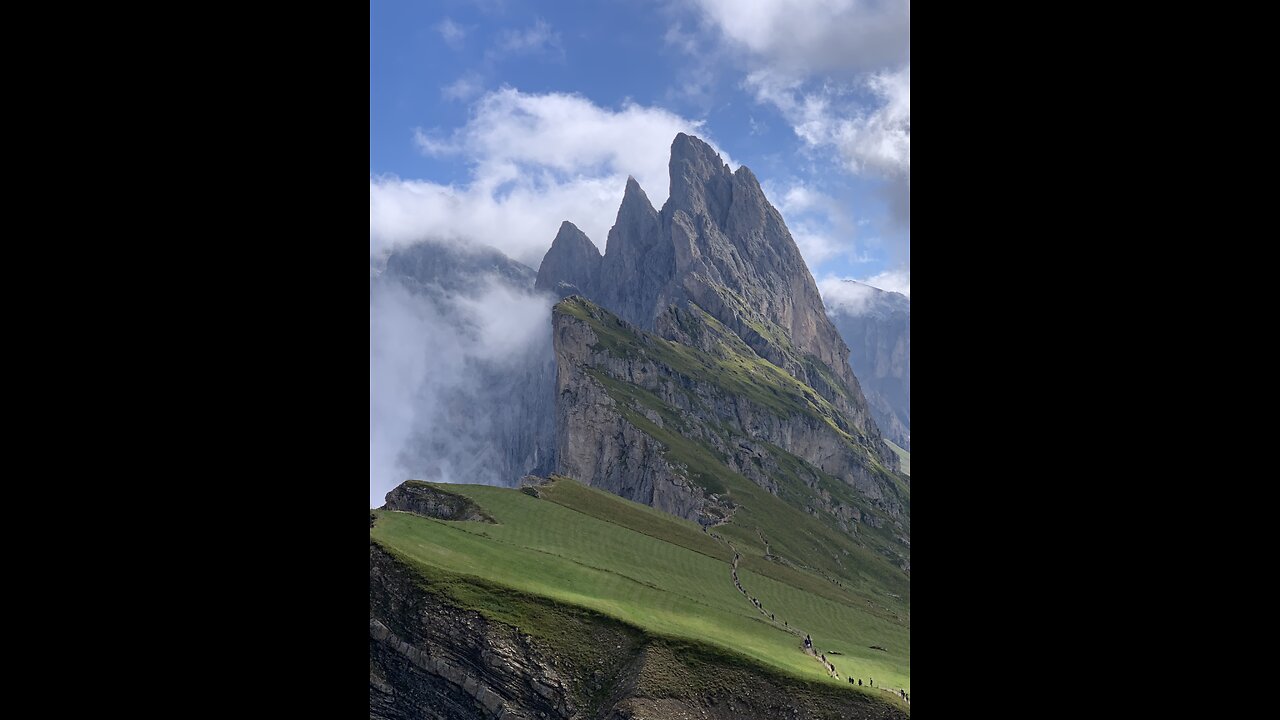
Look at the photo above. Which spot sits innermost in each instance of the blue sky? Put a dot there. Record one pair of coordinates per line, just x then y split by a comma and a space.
493, 120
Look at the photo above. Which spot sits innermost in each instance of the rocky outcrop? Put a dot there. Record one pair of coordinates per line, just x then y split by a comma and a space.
877, 328
423, 499
720, 244
431, 658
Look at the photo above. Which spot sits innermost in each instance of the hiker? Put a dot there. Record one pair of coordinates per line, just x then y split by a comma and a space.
859, 682
903, 693
871, 682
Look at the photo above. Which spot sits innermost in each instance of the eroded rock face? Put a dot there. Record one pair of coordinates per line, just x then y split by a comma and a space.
430, 659
598, 444
422, 499
638, 263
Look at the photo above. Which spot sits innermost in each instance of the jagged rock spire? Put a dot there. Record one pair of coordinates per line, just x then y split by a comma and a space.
719, 243
572, 263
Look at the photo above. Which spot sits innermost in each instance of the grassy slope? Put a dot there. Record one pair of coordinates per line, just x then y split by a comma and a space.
586, 547
814, 541
904, 456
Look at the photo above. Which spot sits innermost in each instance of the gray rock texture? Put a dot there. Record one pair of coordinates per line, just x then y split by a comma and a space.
422, 499
573, 261
751, 428
719, 243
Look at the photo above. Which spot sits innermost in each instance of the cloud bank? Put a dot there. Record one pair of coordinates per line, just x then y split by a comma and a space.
853, 298
446, 377
536, 160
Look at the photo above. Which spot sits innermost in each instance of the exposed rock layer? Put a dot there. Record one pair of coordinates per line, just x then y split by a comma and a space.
712, 390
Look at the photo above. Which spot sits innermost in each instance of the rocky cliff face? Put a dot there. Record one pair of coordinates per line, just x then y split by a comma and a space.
431, 657
703, 383
596, 443
878, 332
720, 244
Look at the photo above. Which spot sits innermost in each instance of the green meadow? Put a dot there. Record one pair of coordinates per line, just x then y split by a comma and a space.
663, 575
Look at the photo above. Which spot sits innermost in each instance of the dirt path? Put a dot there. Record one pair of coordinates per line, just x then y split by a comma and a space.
771, 617
782, 625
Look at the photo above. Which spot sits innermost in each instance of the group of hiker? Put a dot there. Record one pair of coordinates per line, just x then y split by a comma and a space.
808, 641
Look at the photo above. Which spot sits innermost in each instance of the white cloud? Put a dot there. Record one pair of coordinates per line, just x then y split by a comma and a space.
876, 141
537, 160
464, 88
840, 294
805, 37
454, 34
425, 357
823, 227
898, 281
839, 71
537, 38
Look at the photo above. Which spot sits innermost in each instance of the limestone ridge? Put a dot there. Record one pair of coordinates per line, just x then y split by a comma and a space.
721, 245
596, 442
627, 398
638, 262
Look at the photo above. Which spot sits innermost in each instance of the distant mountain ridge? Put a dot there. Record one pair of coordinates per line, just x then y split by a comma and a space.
876, 325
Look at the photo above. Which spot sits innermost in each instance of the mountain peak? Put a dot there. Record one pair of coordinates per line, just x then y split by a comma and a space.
571, 263
700, 180
635, 195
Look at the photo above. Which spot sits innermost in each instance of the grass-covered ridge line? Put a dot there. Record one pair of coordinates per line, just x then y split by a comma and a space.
904, 457
680, 666
586, 548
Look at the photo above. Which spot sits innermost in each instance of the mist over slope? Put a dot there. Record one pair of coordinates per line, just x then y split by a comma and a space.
461, 370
